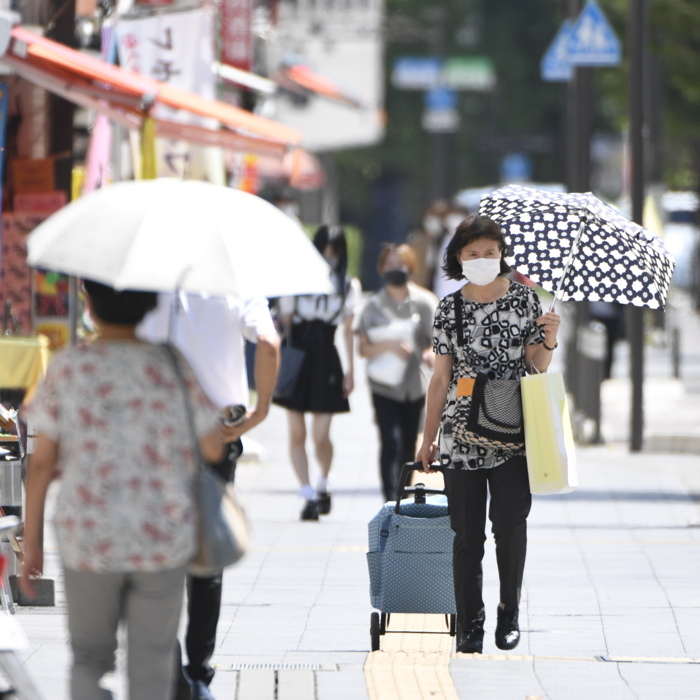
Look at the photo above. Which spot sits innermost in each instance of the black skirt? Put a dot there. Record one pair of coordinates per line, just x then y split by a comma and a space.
319, 388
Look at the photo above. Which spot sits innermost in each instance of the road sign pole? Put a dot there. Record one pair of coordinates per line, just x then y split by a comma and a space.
578, 154
637, 19
440, 140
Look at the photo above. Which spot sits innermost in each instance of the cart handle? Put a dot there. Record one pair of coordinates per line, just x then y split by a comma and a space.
404, 478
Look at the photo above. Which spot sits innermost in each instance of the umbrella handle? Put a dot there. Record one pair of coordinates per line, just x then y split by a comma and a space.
569, 261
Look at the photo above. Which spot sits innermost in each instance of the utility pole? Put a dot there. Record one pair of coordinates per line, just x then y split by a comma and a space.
440, 140
61, 28
637, 27
579, 117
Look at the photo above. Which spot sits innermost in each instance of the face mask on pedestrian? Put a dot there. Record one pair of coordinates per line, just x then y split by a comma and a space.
432, 225
395, 278
481, 271
452, 221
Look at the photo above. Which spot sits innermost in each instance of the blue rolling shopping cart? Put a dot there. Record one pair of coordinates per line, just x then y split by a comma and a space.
410, 556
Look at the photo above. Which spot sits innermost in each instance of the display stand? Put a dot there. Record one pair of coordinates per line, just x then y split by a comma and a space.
12, 636
23, 363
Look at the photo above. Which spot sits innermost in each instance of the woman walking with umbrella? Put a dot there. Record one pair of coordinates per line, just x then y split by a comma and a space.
492, 327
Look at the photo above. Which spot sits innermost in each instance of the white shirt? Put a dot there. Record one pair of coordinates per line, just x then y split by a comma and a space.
322, 307
210, 332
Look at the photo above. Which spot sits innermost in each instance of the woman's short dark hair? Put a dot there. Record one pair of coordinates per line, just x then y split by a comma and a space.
126, 308
334, 236
472, 229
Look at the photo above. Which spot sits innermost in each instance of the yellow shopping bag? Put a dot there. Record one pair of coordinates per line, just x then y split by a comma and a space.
549, 440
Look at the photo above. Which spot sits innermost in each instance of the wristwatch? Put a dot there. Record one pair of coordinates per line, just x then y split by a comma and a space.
546, 347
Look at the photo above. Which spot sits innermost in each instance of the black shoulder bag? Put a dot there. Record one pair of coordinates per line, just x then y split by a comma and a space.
488, 412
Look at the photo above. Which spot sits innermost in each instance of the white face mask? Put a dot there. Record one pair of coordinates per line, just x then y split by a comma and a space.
432, 225
481, 271
452, 221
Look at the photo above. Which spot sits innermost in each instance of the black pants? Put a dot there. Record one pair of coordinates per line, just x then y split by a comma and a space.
204, 602
510, 504
398, 423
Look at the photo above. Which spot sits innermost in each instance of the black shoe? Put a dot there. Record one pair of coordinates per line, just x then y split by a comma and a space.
471, 641
310, 511
323, 502
200, 691
507, 630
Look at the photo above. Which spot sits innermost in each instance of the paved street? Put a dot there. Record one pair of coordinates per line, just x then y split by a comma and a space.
610, 608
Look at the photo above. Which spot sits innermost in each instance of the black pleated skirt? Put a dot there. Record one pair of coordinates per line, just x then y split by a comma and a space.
319, 388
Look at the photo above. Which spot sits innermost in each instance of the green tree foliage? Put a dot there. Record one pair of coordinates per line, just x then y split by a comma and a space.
674, 51
514, 34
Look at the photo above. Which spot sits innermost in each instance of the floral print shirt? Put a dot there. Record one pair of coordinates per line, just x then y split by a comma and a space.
125, 456
495, 335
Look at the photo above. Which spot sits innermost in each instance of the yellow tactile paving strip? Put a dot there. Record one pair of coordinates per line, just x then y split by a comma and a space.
410, 665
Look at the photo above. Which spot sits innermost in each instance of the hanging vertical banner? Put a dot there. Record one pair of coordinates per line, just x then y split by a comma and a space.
16, 284
236, 17
4, 104
99, 148
161, 47
148, 150
97, 160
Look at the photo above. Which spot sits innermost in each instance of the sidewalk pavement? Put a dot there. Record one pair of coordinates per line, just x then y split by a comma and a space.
671, 405
610, 606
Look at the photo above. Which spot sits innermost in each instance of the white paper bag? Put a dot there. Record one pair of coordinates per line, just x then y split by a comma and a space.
387, 367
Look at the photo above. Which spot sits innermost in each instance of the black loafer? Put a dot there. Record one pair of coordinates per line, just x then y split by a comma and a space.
310, 511
471, 640
323, 502
507, 629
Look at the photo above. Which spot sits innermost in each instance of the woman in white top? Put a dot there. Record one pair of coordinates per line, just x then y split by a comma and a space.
396, 323
322, 388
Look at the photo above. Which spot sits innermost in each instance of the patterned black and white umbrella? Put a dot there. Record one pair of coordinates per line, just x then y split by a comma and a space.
577, 247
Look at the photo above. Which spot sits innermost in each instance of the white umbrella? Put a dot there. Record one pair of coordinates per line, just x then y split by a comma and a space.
163, 235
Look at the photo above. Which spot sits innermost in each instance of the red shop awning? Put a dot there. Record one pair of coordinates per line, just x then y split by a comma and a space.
125, 97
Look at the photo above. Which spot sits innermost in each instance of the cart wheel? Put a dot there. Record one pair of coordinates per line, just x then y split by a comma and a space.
383, 621
453, 625
374, 630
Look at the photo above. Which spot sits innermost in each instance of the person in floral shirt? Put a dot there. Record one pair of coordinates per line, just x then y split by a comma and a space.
110, 421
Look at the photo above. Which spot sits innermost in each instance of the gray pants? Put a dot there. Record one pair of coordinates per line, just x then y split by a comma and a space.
149, 604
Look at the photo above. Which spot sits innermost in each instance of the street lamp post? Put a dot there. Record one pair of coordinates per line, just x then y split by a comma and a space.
578, 175
637, 26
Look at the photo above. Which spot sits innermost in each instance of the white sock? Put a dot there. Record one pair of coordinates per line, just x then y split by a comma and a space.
322, 484
307, 492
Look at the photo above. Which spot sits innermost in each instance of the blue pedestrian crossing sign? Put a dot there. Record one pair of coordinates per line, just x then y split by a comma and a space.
592, 41
555, 65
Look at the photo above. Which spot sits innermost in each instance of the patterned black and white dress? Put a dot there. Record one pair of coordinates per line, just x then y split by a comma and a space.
494, 337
